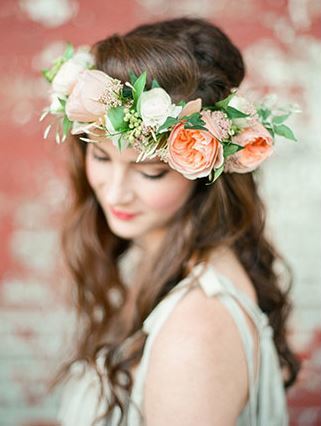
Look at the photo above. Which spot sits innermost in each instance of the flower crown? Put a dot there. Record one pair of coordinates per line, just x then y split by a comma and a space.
233, 135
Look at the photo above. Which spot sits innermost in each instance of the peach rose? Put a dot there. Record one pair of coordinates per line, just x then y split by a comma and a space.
83, 104
192, 152
258, 145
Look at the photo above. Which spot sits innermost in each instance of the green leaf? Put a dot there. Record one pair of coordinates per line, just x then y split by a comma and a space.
62, 102
235, 113
279, 119
194, 118
263, 113
139, 86
69, 52
46, 73
170, 121
182, 103
270, 129
116, 116
195, 127
223, 104
218, 172
67, 124
231, 148
132, 77
285, 131
127, 92
155, 84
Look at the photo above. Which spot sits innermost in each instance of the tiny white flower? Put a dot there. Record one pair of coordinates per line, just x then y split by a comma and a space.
155, 106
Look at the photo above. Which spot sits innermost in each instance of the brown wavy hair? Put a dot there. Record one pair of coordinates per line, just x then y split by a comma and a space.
189, 58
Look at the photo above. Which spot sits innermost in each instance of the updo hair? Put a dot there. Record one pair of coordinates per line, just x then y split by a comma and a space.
190, 58
220, 63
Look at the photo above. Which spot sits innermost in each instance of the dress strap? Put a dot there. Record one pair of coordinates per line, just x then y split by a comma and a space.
269, 406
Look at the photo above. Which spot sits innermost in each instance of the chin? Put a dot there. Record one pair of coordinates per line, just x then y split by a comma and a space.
127, 231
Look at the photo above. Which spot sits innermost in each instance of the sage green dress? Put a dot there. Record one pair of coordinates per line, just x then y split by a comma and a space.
266, 405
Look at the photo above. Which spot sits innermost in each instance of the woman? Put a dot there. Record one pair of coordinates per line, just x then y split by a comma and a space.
181, 307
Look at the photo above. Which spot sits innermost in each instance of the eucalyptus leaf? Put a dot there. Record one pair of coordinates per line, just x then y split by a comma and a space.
279, 119
285, 131
263, 113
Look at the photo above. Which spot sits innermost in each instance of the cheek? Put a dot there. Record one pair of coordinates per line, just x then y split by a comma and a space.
169, 196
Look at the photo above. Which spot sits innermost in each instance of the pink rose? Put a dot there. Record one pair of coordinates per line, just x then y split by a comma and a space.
191, 107
217, 123
192, 152
66, 78
258, 145
84, 103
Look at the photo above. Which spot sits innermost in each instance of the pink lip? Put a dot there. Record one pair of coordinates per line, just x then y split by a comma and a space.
123, 215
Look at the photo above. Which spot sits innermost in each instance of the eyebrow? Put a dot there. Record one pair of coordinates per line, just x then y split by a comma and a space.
150, 161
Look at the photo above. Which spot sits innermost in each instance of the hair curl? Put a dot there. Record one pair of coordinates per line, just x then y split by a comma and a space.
189, 58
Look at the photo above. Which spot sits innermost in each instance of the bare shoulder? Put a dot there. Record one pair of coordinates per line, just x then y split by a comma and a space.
226, 263
197, 372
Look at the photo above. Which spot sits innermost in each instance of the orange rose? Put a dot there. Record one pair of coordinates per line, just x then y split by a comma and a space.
192, 152
258, 145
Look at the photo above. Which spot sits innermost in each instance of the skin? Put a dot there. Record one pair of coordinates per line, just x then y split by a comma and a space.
121, 183
205, 375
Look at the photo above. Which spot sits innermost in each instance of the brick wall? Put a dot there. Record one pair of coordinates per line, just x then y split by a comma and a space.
282, 51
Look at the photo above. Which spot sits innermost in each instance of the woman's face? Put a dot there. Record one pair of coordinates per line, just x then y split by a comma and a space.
138, 199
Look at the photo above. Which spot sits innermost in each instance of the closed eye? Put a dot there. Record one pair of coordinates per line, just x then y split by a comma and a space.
158, 176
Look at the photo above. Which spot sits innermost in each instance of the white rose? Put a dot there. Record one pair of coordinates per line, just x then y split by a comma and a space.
55, 105
155, 106
66, 77
243, 105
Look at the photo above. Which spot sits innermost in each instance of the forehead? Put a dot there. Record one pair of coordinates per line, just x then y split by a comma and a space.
130, 154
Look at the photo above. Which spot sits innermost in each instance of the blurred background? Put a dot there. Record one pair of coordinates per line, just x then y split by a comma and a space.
281, 43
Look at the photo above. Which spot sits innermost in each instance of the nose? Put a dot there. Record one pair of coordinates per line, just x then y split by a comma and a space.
119, 189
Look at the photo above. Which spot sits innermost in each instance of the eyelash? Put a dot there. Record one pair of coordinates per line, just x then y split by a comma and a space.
96, 157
